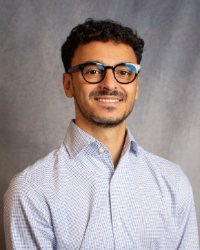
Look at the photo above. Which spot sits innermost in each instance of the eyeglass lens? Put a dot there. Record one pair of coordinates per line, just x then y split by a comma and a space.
124, 73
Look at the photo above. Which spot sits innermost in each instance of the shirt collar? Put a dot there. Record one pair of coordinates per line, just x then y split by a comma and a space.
77, 139
131, 142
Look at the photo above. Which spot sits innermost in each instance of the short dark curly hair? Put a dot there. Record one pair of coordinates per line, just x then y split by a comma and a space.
100, 30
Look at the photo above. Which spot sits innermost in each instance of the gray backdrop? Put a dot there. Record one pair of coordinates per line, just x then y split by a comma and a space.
34, 111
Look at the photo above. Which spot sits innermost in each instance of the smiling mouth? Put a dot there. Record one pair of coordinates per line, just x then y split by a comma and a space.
110, 100
108, 96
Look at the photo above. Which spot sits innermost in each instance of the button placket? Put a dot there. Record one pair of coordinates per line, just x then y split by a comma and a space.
119, 222
101, 150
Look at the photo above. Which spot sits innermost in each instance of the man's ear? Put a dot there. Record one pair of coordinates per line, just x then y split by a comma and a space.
67, 84
137, 88
137, 91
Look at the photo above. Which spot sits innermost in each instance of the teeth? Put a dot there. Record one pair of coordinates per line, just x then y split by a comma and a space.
108, 100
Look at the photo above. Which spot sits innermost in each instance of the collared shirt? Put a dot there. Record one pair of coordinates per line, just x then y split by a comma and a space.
74, 198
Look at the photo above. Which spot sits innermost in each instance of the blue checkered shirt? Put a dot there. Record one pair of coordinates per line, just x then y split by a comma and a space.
74, 198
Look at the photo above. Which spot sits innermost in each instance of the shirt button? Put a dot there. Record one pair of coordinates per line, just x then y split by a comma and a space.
119, 222
101, 150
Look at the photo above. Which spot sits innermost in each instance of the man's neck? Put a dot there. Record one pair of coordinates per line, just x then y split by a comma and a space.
113, 138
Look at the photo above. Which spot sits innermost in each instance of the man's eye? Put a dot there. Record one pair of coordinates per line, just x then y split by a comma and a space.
124, 72
94, 72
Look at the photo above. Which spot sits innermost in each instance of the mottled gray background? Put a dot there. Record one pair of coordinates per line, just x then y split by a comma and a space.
34, 111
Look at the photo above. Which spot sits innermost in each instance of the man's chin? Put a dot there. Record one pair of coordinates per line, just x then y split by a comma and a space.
106, 123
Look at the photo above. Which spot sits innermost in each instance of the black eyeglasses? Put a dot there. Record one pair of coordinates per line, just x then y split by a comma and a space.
94, 72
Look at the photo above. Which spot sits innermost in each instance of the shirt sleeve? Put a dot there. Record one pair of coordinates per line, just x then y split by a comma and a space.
187, 221
27, 221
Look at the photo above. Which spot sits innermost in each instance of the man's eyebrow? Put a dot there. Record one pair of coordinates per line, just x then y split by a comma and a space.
105, 64
93, 61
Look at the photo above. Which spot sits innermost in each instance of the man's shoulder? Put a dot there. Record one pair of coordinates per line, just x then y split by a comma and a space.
167, 171
159, 162
42, 171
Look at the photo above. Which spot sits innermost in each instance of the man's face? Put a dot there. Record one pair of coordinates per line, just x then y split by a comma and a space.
108, 103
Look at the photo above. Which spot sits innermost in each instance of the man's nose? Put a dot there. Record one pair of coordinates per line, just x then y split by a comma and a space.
109, 81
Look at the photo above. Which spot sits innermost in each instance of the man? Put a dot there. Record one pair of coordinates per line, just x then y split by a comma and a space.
100, 189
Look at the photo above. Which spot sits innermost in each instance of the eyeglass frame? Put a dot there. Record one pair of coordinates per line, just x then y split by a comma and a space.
81, 67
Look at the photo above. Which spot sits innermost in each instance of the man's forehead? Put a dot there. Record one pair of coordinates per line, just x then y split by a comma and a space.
104, 52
